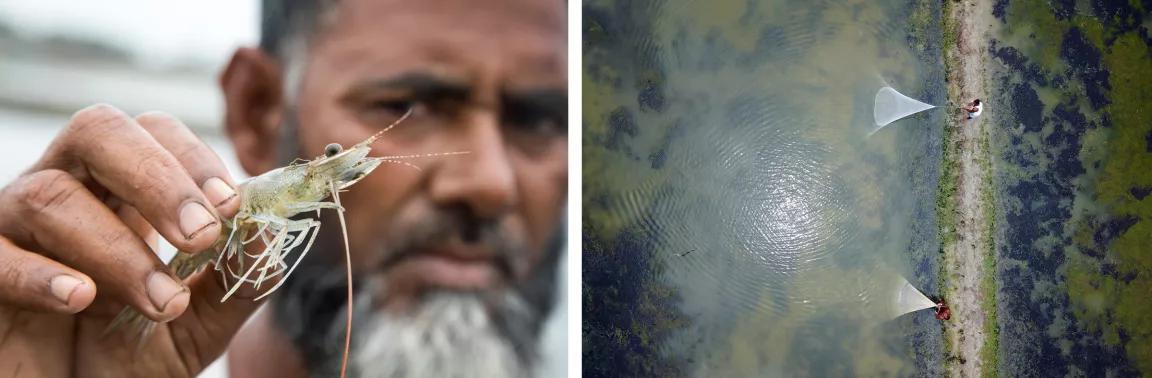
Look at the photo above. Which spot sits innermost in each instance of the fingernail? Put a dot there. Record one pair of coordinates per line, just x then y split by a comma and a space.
218, 191
194, 218
162, 289
63, 286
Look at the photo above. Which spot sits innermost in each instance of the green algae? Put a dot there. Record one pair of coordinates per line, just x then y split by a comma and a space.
990, 351
1109, 303
1107, 294
920, 20
1033, 20
630, 341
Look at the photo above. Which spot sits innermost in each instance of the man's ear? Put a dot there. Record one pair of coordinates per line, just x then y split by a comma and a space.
254, 108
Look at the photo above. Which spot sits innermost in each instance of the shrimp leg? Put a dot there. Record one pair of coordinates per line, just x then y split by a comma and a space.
305, 228
269, 248
274, 252
312, 224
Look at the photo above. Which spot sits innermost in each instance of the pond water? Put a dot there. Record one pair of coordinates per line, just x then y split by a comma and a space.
743, 214
1073, 149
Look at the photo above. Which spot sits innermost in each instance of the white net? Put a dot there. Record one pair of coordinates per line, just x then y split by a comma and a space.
909, 299
892, 105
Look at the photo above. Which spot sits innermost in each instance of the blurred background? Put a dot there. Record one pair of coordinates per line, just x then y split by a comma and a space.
59, 56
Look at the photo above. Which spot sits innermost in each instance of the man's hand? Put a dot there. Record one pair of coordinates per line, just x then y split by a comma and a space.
77, 237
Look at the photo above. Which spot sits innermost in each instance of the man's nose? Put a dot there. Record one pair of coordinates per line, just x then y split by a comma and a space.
484, 179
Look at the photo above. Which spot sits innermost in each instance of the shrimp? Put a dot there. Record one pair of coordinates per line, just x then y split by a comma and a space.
267, 204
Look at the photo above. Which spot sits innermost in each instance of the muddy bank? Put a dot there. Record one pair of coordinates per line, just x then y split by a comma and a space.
963, 204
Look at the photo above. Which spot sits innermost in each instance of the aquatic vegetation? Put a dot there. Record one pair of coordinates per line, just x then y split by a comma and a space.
1077, 229
626, 320
990, 352
629, 313
920, 21
1115, 301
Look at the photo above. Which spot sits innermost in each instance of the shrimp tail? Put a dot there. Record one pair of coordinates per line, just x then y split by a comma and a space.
138, 326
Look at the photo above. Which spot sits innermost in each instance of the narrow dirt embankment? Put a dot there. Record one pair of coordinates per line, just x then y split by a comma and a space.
966, 227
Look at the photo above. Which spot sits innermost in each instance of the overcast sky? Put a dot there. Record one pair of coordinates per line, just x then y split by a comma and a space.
158, 33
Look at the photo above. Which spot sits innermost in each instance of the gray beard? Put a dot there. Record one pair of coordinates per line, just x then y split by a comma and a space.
451, 334
448, 333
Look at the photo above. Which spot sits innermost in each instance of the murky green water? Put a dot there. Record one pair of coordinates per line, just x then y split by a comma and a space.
739, 131
1073, 142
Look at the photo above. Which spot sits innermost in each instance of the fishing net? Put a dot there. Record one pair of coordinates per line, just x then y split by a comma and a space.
909, 299
892, 105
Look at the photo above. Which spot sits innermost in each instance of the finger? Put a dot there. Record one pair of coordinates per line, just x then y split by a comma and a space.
139, 226
124, 158
197, 158
58, 215
33, 282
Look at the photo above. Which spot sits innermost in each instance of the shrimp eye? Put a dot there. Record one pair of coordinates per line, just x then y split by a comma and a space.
332, 149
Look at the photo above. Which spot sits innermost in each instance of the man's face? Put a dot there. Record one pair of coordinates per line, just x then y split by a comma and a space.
488, 78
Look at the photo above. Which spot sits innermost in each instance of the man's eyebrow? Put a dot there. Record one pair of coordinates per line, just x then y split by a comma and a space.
549, 100
422, 85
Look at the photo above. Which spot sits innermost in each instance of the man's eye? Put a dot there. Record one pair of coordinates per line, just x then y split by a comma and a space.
384, 113
538, 125
393, 106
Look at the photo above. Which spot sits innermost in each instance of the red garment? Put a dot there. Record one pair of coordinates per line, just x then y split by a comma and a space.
942, 312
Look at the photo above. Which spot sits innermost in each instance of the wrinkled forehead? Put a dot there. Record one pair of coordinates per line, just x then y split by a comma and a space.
516, 42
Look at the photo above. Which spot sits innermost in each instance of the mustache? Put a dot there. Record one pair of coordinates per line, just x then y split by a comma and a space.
445, 224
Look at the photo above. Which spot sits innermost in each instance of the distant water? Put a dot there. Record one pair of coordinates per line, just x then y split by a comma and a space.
738, 130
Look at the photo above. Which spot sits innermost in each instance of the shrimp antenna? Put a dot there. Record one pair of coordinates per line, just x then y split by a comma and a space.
348, 260
420, 156
381, 132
